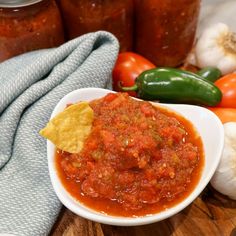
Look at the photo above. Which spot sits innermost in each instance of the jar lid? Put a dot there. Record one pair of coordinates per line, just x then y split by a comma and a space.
17, 3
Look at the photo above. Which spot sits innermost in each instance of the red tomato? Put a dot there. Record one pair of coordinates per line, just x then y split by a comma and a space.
225, 114
128, 67
227, 85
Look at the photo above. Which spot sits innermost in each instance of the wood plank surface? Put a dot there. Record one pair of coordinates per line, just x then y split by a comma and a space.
211, 214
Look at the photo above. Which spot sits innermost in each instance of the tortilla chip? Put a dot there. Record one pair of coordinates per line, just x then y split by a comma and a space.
69, 129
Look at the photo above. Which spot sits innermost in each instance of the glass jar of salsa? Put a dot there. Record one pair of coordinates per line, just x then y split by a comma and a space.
27, 25
84, 16
165, 29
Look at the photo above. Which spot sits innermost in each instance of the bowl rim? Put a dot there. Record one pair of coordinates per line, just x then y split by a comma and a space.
88, 213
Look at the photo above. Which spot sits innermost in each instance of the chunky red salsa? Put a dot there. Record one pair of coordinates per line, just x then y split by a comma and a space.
138, 159
84, 16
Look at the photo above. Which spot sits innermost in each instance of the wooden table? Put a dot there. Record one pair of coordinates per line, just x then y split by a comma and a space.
211, 214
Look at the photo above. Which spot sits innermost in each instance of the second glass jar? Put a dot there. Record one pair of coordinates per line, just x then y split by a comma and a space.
165, 29
84, 16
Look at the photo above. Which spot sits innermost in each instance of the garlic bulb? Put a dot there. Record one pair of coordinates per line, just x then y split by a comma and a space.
215, 47
224, 179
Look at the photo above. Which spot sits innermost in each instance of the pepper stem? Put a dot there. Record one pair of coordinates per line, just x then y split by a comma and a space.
127, 89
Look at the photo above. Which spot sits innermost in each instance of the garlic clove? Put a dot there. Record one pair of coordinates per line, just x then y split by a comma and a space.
209, 57
208, 51
226, 64
191, 58
224, 179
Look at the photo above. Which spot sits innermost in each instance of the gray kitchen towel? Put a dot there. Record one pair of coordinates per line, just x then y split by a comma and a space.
30, 86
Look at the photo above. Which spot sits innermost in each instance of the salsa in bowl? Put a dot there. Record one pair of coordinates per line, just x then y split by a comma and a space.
140, 163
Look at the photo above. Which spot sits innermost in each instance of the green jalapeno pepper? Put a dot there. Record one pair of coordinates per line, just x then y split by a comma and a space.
210, 73
175, 86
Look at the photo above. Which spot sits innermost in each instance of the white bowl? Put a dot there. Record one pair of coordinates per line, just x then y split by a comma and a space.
206, 123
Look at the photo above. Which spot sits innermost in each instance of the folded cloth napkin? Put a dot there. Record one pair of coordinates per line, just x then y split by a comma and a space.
30, 86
